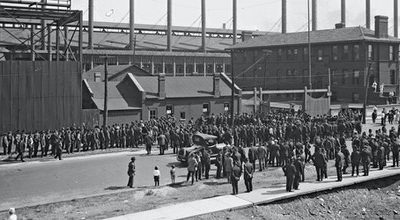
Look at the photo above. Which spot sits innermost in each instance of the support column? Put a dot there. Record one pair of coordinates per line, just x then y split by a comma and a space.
57, 43
255, 101
32, 43
49, 42
261, 97
169, 26
80, 59
66, 43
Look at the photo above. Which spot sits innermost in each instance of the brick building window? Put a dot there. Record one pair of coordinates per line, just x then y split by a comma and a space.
391, 53
289, 54
206, 109
346, 52
169, 68
392, 77
305, 53
179, 68
200, 68
370, 52
288, 72
226, 107
356, 77
279, 55
335, 53
320, 54
210, 68
344, 76
295, 52
158, 68
152, 114
356, 51
170, 110
334, 80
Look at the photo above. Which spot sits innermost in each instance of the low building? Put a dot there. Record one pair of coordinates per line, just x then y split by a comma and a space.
147, 97
346, 58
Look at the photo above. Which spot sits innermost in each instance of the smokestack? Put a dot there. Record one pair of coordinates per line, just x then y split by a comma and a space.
396, 18
90, 40
203, 25
169, 25
368, 13
284, 16
343, 12
381, 26
132, 24
314, 15
234, 21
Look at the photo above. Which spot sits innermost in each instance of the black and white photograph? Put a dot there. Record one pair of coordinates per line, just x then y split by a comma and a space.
199, 109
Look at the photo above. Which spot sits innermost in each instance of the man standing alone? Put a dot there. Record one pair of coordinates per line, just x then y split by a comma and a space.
131, 171
248, 175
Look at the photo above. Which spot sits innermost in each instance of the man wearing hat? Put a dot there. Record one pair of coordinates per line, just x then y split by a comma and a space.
131, 171
395, 152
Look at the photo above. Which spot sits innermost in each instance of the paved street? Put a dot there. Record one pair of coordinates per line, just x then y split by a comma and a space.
40, 182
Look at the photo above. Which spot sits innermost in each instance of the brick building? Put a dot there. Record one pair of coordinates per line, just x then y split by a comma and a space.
146, 97
346, 52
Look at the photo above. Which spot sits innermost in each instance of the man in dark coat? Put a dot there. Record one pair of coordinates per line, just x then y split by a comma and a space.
339, 162
366, 159
235, 177
131, 171
381, 157
207, 163
318, 160
252, 155
248, 175
219, 164
290, 171
395, 152
298, 174
355, 161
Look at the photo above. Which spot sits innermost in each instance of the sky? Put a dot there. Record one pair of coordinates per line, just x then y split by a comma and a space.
263, 15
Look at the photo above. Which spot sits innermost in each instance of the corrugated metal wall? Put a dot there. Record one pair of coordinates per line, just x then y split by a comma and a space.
39, 95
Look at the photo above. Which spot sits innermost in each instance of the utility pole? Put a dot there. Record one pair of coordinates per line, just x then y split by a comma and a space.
233, 94
309, 48
105, 108
366, 94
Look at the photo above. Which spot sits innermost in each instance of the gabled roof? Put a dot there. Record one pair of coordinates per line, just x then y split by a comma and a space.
116, 99
184, 86
114, 71
319, 36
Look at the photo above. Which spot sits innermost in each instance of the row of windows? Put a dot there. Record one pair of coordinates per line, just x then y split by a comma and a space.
190, 68
170, 111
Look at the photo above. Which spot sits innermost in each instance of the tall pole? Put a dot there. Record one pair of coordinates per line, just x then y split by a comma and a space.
203, 25
169, 25
366, 94
233, 93
368, 13
234, 21
131, 24
309, 48
396, 18
91, 9
284, 20
105, 109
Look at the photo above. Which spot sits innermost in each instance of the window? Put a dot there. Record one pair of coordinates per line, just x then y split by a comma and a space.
279, 54
152, 114
219, 68
158, 68
228, 68
200, 68
206, 108
179, 68
295, 52
147, 67
335, 54
305, 76
356, 97
189, 68
356, 77
370, 52
210, 68
356, 51
170, 110
391, 53
344, 76
346, 52
226, 107
289, 72
334, 79
169, 68
305, 53
392, 77
289, 54
183, 115
294, 72
320, 54
97, 77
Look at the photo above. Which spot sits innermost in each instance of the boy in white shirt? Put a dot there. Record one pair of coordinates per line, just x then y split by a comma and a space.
156, 174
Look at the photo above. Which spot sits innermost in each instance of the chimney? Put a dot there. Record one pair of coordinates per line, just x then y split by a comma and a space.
203, 26
169, 25
132, 24
396, 18
90, 35
314, 15
340, 25
161, 86
247, 35
381, 26
368, 13
343, 13
284, 16
216, 85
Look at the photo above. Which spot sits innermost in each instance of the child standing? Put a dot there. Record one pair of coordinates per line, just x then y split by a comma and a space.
156, 174
172, 172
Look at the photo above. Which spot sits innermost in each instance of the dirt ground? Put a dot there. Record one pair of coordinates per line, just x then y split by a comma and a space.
373, 200
141, 199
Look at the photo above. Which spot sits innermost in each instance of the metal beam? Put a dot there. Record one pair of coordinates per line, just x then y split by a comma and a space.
270, 92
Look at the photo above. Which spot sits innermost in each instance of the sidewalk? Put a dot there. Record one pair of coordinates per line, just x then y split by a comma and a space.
260, 196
